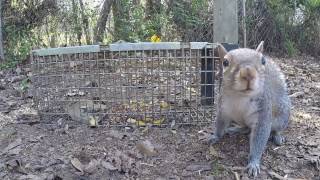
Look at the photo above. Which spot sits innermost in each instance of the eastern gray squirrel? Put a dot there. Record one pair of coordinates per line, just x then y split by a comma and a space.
254, 96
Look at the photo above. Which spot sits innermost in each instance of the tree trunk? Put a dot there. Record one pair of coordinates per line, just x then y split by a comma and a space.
77, 27
102, 21
122, 31
136, 2
33, 16
153, 7
85, 22
1, 38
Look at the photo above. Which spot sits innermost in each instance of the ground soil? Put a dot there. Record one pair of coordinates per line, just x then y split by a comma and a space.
30, 149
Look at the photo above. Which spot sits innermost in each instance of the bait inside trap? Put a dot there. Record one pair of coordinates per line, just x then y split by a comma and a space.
126, 83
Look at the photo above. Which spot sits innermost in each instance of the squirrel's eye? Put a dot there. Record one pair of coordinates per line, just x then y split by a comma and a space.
225, 63
263, 61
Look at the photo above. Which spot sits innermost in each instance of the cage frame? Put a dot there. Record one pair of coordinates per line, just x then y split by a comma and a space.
208, 88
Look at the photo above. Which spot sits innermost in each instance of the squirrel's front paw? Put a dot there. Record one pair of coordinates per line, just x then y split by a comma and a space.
213, 139
253, 169
278, 139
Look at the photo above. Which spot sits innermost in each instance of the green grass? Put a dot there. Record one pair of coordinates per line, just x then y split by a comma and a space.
8, 65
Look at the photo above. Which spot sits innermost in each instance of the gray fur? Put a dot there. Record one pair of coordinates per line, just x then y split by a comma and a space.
265, 112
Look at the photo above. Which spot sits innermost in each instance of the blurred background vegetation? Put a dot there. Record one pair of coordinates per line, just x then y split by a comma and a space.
289, 27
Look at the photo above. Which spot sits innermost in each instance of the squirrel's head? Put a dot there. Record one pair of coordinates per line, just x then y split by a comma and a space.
243, 69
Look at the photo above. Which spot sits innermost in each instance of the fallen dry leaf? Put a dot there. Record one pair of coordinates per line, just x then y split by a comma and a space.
12, 145
92, 166
279, 177
30, 177
303, 115
141, 123
75, 92
15, 165
122, 161
146, 148
213, 152
116, 134
131, 120
92, 122
17, 78
158, 121
12, 164
77, 164
164, 105
314, 160
199, 167
203, 135
108, 166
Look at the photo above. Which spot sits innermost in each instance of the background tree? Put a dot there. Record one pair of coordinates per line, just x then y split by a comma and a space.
288, 27
121, 11
1, 38
102, 21
77, 24
85, 22
153, 8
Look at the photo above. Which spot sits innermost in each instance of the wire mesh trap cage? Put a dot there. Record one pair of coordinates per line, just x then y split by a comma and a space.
126, 84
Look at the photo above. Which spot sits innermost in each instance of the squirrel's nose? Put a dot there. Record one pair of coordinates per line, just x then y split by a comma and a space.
247, 73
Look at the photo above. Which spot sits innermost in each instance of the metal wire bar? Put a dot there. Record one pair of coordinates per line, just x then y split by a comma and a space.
124, 87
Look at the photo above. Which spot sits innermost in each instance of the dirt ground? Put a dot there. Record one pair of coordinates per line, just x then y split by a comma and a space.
30, 149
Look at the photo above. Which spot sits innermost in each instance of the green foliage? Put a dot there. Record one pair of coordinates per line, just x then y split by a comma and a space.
8, 64
313, 4
154, 24
137, 20
19, 43
24, 85
217, 168
290, 48
171, 20
122, 29
189, 15
296, 35
132, 23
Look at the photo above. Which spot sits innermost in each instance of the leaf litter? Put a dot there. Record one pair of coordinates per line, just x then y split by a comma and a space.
154, 153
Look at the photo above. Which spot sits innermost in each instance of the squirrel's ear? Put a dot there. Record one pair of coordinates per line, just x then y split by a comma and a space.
222, 51
260, 47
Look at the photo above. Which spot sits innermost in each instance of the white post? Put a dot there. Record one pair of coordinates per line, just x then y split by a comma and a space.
225, 28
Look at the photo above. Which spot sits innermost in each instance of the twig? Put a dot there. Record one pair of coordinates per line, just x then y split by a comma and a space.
236, 175
236, 168
276, 148
151, 165
278, 176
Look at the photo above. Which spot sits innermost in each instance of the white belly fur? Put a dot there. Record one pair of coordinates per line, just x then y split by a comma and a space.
240, 110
